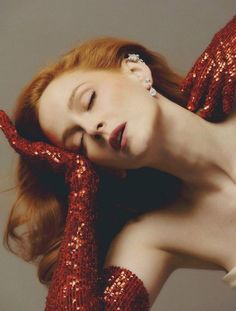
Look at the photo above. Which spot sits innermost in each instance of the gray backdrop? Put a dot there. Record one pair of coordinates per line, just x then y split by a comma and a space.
33, 33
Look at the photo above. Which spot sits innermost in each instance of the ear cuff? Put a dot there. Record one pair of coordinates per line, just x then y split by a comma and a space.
135, 58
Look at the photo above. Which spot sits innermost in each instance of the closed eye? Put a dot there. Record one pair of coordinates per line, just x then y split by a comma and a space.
82, 148
92, 98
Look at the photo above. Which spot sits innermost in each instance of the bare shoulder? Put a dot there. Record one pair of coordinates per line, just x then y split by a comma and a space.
134, 249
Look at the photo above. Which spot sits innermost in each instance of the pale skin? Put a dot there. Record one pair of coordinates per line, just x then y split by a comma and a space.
196, 231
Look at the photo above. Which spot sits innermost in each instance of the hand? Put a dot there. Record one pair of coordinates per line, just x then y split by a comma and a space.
211, 81
79, 173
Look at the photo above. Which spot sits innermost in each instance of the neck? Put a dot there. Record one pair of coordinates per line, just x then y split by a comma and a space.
187, 146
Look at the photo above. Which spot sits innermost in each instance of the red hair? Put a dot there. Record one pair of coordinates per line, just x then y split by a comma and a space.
41, 202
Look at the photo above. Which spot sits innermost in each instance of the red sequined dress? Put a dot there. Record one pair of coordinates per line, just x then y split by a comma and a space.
77, 283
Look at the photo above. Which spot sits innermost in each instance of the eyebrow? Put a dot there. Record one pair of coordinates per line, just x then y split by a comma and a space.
72, 95
69, 131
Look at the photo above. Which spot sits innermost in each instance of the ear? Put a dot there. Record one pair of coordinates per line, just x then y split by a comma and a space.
138, 71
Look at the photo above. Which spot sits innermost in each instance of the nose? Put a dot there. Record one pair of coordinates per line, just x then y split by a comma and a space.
97, 131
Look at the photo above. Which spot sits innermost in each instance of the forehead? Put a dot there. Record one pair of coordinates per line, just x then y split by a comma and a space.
61, 87
53, 101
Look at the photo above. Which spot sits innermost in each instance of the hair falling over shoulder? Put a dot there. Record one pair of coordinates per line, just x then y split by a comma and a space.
41, 200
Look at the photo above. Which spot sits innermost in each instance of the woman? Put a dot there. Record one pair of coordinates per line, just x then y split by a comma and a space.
120, 106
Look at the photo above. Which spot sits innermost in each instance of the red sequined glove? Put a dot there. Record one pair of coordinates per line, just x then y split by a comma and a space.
211, 81
76, 282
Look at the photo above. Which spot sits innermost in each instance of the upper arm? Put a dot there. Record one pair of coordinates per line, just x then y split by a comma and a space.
130, 249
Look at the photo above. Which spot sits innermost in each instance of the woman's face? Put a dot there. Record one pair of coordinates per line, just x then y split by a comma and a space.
94, 103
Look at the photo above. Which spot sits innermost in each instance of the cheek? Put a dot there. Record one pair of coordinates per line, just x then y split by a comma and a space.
113, 93
111, 101
101, 155
133, 99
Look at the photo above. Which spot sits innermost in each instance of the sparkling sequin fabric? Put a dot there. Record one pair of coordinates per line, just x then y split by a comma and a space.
211, 81
77, 284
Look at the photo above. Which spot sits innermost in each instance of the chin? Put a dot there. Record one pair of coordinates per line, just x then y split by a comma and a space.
142, 141
138, 154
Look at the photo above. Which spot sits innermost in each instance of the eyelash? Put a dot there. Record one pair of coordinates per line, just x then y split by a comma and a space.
91, 102
92, 98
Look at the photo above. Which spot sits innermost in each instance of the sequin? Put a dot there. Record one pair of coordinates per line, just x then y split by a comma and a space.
77, 283
213, 76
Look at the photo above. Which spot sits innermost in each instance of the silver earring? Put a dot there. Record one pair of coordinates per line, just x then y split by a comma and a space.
152, 91
134, 58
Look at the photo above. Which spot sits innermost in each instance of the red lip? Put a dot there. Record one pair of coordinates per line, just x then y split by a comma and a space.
114, 136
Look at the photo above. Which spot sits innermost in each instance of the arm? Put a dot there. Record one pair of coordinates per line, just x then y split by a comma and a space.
76, 281
132, 249
132, 277
210, 83
77, 284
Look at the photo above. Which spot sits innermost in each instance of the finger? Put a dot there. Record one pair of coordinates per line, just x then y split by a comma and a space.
228, 95
55, 156
200, 65
212, 99
191, 78
199, 89
188, 82
79, 171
